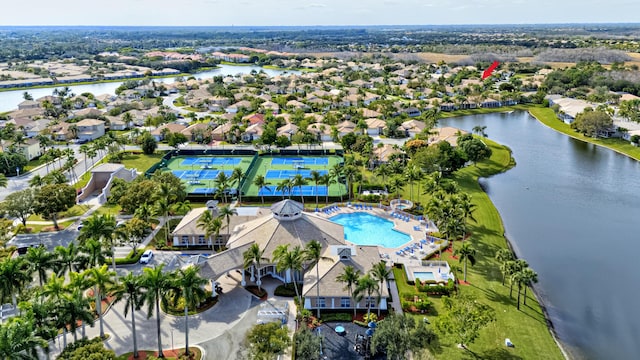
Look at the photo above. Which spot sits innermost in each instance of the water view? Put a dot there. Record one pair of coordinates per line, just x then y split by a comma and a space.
9, 100
570, 209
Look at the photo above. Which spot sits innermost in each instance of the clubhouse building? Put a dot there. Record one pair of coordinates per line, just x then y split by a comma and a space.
288, 224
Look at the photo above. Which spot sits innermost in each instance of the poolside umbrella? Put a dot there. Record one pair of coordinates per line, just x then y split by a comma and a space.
372, 324
369, 332
420, 244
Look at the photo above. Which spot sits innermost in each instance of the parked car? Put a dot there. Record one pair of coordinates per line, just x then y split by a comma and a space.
146, 257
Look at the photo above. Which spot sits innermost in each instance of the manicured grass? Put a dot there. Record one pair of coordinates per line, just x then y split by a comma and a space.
526, 328
108, 209
33, 164
49, 227
140, 161
549, 118
76, 210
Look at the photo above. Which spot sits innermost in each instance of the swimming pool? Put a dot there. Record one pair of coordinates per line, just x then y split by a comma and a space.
424, 275
365, 229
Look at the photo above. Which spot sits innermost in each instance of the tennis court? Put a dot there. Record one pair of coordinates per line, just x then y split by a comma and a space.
288, 174
205, 174
303, 161
307, 190
209, 161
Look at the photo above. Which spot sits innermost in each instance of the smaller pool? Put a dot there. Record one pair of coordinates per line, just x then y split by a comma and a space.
423, 275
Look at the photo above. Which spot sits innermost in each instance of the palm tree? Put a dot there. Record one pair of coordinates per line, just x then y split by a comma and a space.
15, 274
349, 173
237, 176
327, 180
299, 181
190, 288
227, 212
261, 183
515, 266
162, 207
381, 273
349, 276
157, 283
222, 183
252, 258
40, 260
366, 285
336, 173
19, 341
479, 130
383, 171
78, 282
503, 255
291, 260
518, 278
144, 212
66, 257
530, 277
102, 281
396, 184
100, 227
317, 179
75, 307
313, 254
3, 181
131, 290
283, 187
36, 181
412, 174
466, 253
95, 254
53, 289
211, 226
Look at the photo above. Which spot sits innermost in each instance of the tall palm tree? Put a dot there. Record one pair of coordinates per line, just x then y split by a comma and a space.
291, 260
253, 257
131, 291
530, 277
366, 285
162, 207
327, 180
349, 173
503, 255
261, 183
336, 173
54, 288
211, 226
75, 307
383, 171
15, 274
190, 288
317, 179
466, 253
157, 283
100, 227
349, 277
518, 278
396, 184
237, 176
95, 254
78, 282
515, 266
381, 273
313, 254
412, 174
222, 183
299, 181
283, 187
19, 341
102, 281
66, 257
227, 212
40, 260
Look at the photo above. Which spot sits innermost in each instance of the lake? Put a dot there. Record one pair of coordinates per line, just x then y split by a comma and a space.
9, 100
570, 209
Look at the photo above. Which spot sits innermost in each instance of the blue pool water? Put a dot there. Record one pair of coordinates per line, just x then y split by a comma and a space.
423, 275
366, 229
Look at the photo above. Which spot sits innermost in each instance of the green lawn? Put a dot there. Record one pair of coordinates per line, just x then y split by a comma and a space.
108, 209
76, 210
49, 227
526, 328
140, 161
549, 118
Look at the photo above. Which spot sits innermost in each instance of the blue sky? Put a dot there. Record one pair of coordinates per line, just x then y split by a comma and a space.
315, 12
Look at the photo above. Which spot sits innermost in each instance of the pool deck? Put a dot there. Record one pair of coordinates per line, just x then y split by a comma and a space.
396, 255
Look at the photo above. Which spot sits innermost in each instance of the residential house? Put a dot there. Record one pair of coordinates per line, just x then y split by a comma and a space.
160, 132
269, 106
490, 103
413, 127
369, 98
568, 108
412, 111
375, 126
382, 154
232, 109
345, 127
28, 104
254, 119
321, 131
253, 132
30, 148
197, 132
89, 129
61, 131
447, 133
116, 123
36, 127
287, 130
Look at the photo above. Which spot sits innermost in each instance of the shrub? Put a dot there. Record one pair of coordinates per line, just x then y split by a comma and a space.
370, 317
287, 290
344, 317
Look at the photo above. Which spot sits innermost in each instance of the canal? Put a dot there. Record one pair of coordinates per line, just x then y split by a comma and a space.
570, 209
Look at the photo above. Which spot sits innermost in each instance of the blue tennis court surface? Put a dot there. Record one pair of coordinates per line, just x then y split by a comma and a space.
307, 190
204, 191
287, 174
305, 161
204, 174
210, 161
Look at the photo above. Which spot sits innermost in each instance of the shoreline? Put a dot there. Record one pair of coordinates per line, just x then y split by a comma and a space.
509, 245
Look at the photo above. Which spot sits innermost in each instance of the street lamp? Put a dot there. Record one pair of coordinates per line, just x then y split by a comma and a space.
171, 338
